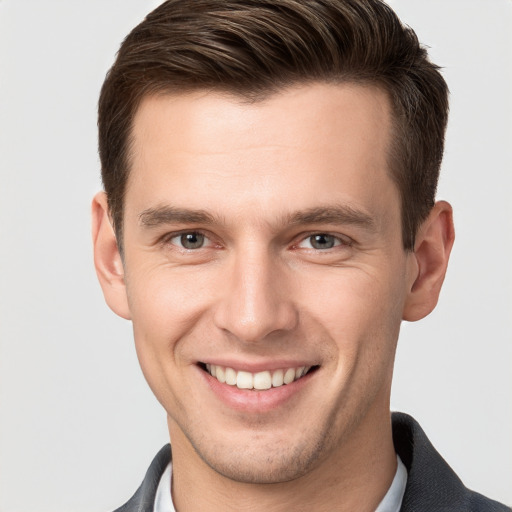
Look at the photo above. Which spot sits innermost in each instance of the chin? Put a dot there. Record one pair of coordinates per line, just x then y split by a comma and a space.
263, 468
259, 459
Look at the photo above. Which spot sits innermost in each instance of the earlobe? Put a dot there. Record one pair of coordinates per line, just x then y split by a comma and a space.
431, 254
107, 258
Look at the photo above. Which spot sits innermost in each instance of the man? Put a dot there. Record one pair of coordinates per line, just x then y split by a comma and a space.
268, 220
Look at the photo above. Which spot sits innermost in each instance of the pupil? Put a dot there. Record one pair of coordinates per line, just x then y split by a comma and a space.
322, 241
192, 240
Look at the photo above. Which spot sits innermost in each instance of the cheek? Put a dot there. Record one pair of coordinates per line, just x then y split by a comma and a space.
163, 300
164, 309
360, 314
356, 297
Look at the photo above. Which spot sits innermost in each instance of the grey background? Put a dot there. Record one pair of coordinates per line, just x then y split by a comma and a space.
78, 425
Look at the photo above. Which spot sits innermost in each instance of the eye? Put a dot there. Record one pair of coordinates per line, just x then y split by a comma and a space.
189, 241
320, 241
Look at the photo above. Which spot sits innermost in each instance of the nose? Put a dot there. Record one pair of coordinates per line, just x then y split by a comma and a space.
257, 300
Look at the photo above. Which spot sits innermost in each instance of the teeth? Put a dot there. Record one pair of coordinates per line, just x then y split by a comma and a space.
289, 376
230, 376
220, 374
261, 380
244, 380
277, 378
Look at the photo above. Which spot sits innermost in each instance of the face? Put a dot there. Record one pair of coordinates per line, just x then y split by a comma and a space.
265, 274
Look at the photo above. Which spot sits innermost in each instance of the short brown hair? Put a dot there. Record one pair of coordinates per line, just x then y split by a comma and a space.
253, 48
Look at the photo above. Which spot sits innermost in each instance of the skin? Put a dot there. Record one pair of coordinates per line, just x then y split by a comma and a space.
257, 181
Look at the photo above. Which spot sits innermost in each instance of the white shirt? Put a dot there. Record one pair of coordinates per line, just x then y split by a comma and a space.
391, 502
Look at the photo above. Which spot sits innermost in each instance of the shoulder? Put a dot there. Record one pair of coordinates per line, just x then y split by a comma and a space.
431, 482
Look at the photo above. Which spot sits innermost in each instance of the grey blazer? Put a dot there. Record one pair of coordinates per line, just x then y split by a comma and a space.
432, 486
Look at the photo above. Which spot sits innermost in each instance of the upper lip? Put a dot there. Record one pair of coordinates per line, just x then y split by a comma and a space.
259, 366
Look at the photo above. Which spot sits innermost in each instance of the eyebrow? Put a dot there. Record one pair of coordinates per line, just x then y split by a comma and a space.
338, 214
153, 217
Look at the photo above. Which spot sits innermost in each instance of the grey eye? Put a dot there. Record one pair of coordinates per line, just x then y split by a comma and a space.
192, 240
323, 241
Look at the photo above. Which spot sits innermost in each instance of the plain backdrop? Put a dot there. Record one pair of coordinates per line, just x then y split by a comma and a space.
78, 424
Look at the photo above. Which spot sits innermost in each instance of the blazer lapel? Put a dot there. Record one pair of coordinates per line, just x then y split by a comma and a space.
144, 498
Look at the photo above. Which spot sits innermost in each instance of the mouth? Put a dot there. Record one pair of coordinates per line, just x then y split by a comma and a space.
259, 381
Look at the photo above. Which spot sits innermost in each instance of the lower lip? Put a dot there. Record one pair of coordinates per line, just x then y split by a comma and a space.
257, 401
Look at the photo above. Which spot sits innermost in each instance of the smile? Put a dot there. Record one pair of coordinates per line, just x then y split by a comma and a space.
259, 381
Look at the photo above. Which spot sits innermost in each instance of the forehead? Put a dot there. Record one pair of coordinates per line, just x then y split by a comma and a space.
307, 143
294, 115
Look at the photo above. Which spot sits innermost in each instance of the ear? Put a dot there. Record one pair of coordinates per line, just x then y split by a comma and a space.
431, 254
107, 259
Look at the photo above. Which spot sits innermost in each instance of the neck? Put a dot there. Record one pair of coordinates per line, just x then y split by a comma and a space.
356, 476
